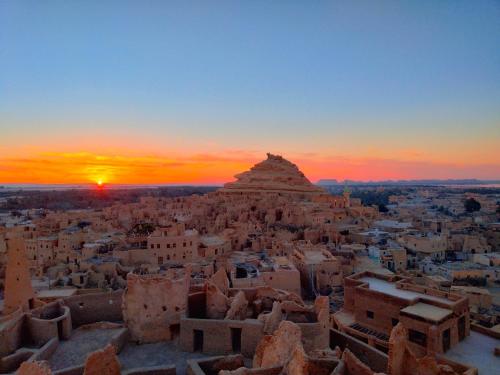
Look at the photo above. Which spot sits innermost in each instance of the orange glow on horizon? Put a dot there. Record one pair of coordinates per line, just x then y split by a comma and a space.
101, 169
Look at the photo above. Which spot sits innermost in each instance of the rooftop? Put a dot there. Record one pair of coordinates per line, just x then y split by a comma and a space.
428, 312
212, 240
462, 266
476, 350
393, 224
390, 288
315, 256
56, 293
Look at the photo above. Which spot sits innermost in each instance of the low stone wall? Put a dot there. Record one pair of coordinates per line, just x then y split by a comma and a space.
46, 351
10, 363
212, 366
120, 339
370, 356
217, 339
456, 366
53, 323
95, 307
153, 370
11, 332
74, 370
485, 331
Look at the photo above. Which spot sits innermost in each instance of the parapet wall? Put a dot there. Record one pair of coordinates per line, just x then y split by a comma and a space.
48, 322
11, 332
95, 307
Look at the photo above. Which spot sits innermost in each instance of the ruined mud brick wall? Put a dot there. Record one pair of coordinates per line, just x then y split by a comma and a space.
314, 335
11, 330
18, 289
217, 335
152, 304
218, 339
213, 365
95, 307
376, 359
50, 321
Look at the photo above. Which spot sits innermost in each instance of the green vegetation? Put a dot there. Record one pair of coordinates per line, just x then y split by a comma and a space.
377, 197
472, 205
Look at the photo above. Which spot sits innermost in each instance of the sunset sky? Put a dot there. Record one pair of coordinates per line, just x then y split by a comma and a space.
195, 92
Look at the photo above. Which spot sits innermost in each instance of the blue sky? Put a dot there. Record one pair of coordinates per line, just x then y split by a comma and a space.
310, 75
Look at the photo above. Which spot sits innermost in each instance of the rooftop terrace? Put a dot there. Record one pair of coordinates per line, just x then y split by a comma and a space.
476, 350
390, 288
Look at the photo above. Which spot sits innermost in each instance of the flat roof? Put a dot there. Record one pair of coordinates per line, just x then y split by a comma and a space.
212, 240
387, 287
50, 293
314, 256
392, 224
426, 311
476, 350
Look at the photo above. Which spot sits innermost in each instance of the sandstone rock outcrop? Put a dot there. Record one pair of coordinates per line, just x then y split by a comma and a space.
273, 175
102, 362
151, 304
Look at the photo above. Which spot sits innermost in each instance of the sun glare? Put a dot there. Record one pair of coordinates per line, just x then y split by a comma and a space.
100, 183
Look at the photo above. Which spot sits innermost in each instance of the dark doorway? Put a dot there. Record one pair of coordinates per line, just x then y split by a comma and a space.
461, 328
241, 273
446, 340
31, 303
175, 330
279, 215
236, 339
60, 330
197, 340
